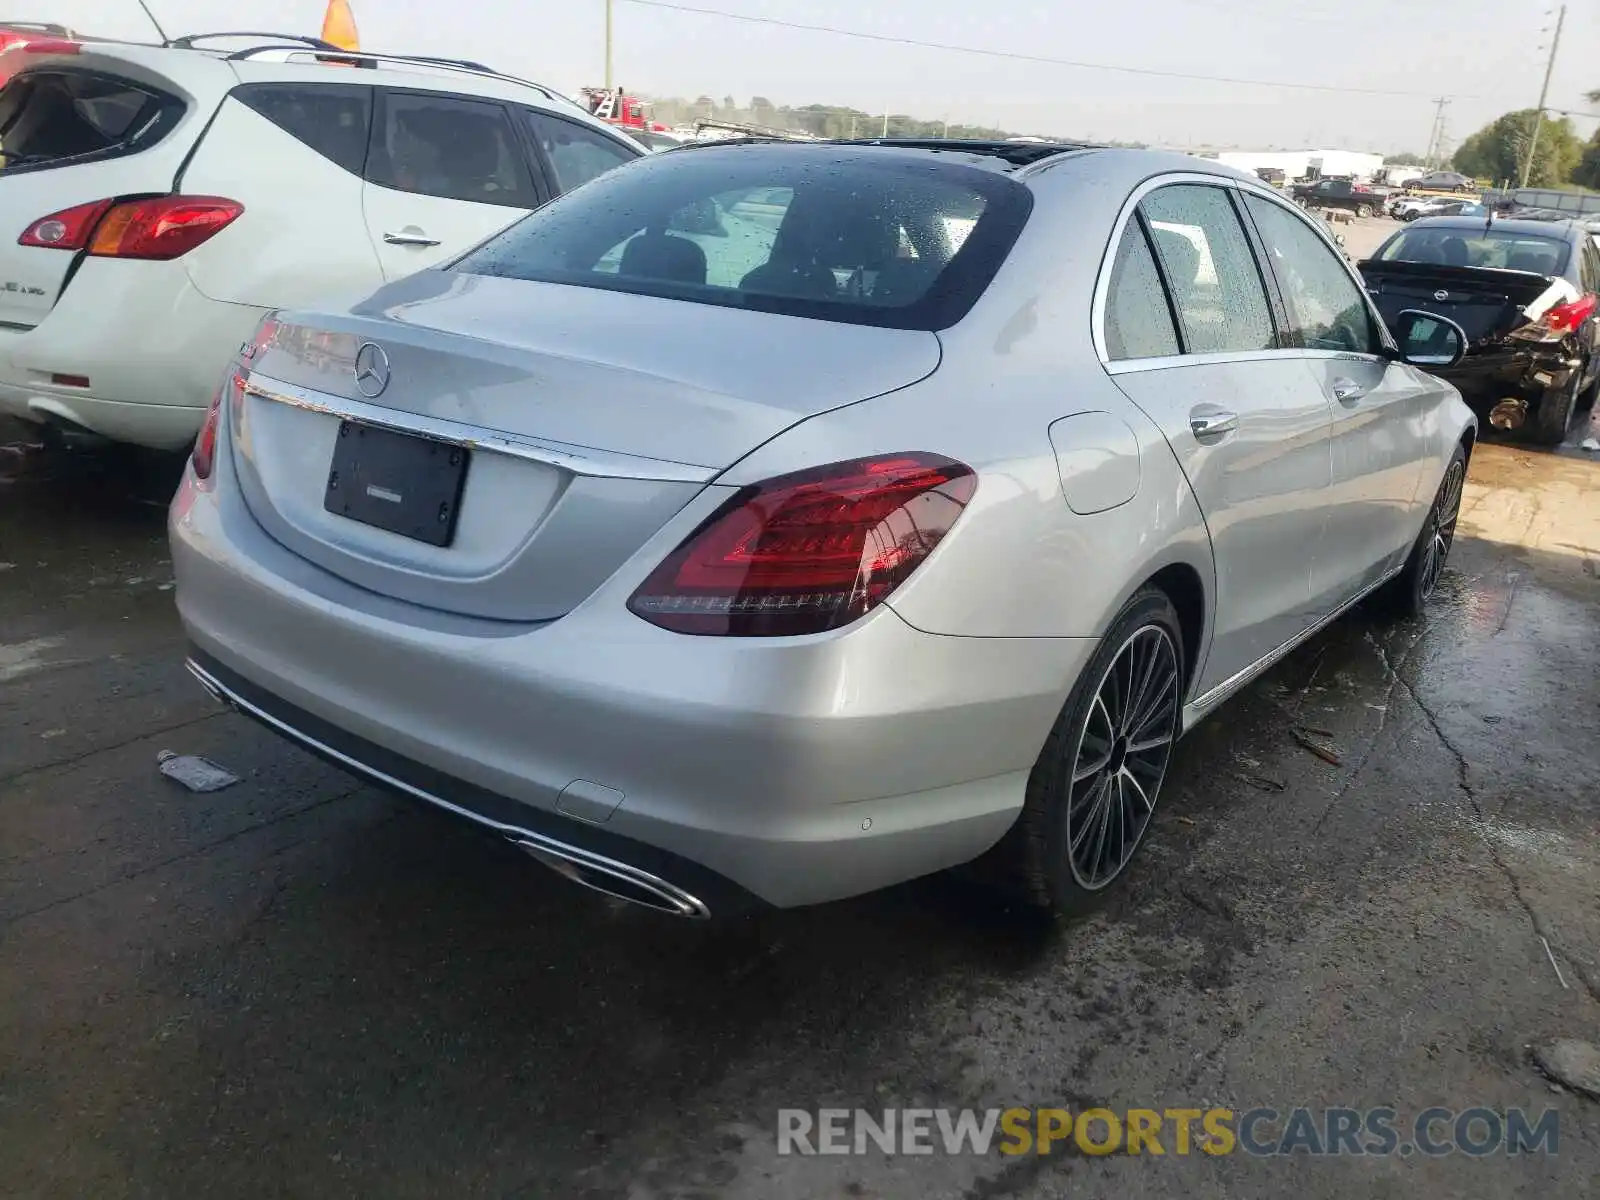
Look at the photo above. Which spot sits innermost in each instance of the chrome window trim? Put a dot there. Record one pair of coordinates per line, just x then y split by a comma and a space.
1102, 284
579, 460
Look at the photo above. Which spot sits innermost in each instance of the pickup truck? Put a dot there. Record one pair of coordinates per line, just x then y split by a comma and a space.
1360, 198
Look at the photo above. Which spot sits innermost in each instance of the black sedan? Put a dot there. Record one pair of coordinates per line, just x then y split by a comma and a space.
1524, 292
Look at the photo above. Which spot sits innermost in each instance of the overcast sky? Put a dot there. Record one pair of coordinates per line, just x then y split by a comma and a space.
1484, 53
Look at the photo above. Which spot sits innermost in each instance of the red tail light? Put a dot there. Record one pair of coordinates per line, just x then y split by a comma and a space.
807, 552
68, 229
1560, 321
163, 227
1564, 318
204, 457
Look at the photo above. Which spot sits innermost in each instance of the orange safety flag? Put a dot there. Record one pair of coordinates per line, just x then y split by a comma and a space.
339, 26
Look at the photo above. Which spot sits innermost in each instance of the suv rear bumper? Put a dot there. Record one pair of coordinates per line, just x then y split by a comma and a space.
152, 347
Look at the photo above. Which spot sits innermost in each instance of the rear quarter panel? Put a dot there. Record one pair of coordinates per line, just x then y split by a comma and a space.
301, 240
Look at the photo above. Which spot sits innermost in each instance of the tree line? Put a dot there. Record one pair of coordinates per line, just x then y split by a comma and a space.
1499, 151
821, 120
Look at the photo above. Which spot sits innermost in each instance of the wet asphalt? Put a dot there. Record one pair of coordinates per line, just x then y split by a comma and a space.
303, 987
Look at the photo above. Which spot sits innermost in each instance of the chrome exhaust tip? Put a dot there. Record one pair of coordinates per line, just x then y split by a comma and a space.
213, 689
619, 882
1509, 414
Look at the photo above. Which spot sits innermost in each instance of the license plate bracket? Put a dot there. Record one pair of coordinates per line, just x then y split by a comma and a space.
400, 482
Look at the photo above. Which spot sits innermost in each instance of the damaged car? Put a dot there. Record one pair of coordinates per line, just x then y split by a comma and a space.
1526, 294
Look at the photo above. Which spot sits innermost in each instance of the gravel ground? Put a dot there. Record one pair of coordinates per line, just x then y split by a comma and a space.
302, 987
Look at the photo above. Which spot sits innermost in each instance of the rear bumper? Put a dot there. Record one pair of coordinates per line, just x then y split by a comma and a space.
152, 348
1485, 379
593, 855
798, 770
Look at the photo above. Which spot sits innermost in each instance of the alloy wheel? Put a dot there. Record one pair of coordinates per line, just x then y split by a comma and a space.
1441, 528
1122, 756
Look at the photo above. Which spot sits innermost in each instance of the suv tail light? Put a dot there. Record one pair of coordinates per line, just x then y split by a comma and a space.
68, 229
162, 227
807, 552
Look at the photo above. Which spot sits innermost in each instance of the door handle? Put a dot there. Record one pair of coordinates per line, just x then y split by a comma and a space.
1347, 391
410, 239
1213, 424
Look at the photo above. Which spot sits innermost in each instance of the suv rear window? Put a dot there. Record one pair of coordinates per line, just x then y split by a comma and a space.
865, 236
48, 116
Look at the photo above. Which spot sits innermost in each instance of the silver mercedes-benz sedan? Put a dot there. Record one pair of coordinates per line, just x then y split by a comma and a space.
768, 523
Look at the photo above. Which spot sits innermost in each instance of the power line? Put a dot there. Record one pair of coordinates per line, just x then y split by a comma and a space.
1016, 56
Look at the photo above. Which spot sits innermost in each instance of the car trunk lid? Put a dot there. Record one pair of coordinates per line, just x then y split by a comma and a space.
589, 417
1487, 302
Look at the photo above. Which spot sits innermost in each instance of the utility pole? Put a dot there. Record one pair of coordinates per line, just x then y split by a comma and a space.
1544, 92
886, 122
1434, 134
609, 6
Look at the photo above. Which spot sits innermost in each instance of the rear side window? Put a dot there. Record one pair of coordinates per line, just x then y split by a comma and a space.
48, 117
1138, 316
575, 154
1211, 270
860, 235
334, 121
450, 147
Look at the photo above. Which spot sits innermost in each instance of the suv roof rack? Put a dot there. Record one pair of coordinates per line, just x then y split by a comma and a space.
364, 58
188, 40
49, 27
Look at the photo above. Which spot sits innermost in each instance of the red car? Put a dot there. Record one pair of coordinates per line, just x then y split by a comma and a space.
16, 34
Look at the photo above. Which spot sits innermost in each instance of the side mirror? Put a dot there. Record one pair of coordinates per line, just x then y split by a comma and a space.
1428, 340
1338, 239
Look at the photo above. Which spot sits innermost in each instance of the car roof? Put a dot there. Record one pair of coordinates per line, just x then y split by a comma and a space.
1553, 230
1021, 159
255, 58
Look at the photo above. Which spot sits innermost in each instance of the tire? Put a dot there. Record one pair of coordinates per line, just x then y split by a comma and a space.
1408, 593
1553, 417
1038, 859
1363, 210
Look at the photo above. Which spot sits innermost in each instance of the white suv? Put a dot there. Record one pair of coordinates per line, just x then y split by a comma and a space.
157, 201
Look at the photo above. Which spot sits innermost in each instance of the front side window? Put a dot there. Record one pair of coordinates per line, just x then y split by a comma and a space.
1211, 270
575, 154
449, 147
1326, 306
1138, 320
864, 236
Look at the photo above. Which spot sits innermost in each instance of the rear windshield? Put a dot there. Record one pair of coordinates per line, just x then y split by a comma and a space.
47, 116
1478, 248
868, 237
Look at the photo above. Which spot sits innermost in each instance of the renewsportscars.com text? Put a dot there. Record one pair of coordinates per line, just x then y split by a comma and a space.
1257, 1132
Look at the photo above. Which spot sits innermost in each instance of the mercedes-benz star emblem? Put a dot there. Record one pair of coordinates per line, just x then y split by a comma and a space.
372, 370
1436, 296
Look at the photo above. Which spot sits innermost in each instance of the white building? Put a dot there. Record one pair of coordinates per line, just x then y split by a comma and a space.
1296, 164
